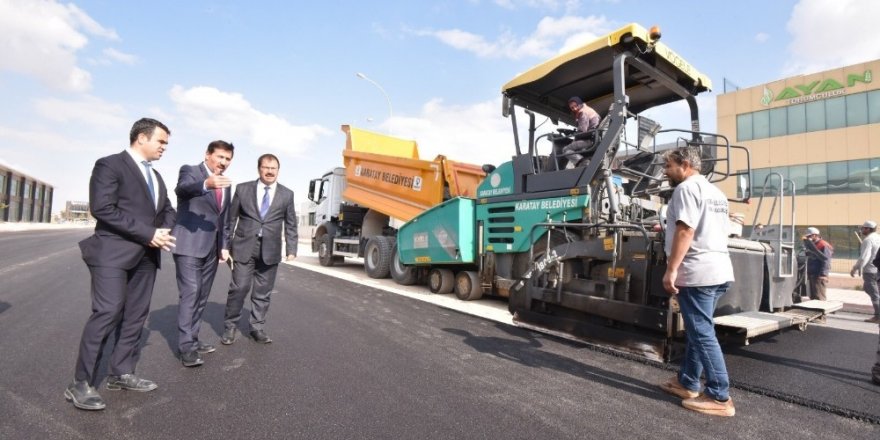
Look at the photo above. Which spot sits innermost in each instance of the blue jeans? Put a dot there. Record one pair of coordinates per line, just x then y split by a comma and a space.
702, 352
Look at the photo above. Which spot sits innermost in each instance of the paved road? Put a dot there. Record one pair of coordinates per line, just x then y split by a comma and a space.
348, 361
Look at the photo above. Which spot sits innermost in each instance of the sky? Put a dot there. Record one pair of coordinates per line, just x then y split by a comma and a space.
281, 76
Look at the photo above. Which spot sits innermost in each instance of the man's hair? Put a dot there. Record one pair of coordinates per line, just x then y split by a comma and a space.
577, 100
685, 154
146, 126
268, 157
221, 145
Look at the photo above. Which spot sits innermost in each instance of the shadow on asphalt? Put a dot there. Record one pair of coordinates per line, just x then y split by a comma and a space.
528, 352
164, 321
823, 369
823, 366
4, 306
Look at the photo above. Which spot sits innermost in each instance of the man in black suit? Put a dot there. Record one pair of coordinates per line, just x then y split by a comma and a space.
258, 212
130, 203
202, 205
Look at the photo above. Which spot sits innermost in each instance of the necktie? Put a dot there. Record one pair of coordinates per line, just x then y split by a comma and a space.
147, 168
218, 194
264, 207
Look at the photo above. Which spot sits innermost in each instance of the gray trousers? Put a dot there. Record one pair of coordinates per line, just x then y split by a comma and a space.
871, 289
255, 274
817, 288
195, 276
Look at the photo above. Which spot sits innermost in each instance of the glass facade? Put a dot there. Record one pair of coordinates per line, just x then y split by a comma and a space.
838, 112
842, 238
842, 177
23, 199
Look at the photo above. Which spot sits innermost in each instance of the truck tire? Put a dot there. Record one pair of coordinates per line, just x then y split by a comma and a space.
377, 257
467, 286
402, 273
441, 281
325, 251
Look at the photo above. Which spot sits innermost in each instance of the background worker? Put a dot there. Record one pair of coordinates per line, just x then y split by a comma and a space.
819, 253
865, 265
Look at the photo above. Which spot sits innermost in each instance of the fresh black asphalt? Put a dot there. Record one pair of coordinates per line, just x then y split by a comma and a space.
349, 361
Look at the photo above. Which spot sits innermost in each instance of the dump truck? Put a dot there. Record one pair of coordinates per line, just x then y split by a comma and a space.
382, 184
579, 250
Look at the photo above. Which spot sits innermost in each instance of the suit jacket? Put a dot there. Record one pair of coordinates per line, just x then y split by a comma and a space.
244, 224
200, 222
126, 218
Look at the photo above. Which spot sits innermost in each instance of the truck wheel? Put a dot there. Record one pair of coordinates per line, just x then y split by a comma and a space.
325, 251
467, 286
402, 273
441, 281
377, 257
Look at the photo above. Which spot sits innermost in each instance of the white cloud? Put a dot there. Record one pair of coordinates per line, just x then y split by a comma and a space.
832, 33
230, 116
762, 37
551, 36
89, 110
42, 38
475, 133
38, 141
120, 57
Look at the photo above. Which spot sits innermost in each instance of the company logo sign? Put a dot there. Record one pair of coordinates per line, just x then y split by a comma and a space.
815, 90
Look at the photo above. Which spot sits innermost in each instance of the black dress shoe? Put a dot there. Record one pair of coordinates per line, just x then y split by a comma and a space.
130, 382
84, 396
191, 359
205, 348
228, 336
260, 336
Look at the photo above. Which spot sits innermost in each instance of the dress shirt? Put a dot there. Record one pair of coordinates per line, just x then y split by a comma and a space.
211, 190
137, 160
261, 189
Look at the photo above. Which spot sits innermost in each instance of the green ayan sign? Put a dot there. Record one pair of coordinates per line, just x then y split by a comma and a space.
815, 90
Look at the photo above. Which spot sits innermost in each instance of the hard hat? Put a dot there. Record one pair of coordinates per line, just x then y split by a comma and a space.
812, 231
869, 224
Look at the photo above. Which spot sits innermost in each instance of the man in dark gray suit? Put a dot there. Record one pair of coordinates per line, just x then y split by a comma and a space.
130, 203
203, 197
258, 212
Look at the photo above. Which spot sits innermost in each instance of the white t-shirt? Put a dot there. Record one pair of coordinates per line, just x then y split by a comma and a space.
702, 206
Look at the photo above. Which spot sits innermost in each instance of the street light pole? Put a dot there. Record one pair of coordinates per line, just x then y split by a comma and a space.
390, 111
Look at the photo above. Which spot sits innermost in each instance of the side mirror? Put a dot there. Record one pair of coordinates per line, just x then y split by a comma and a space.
505, 106
312, 190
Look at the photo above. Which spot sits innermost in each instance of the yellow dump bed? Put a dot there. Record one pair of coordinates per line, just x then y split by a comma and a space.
384, 173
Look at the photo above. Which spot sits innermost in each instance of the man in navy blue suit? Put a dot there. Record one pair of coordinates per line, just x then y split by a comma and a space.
203, 196
130, 203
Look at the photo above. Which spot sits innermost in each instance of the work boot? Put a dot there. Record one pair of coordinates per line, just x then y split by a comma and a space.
707, 405
674, 387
